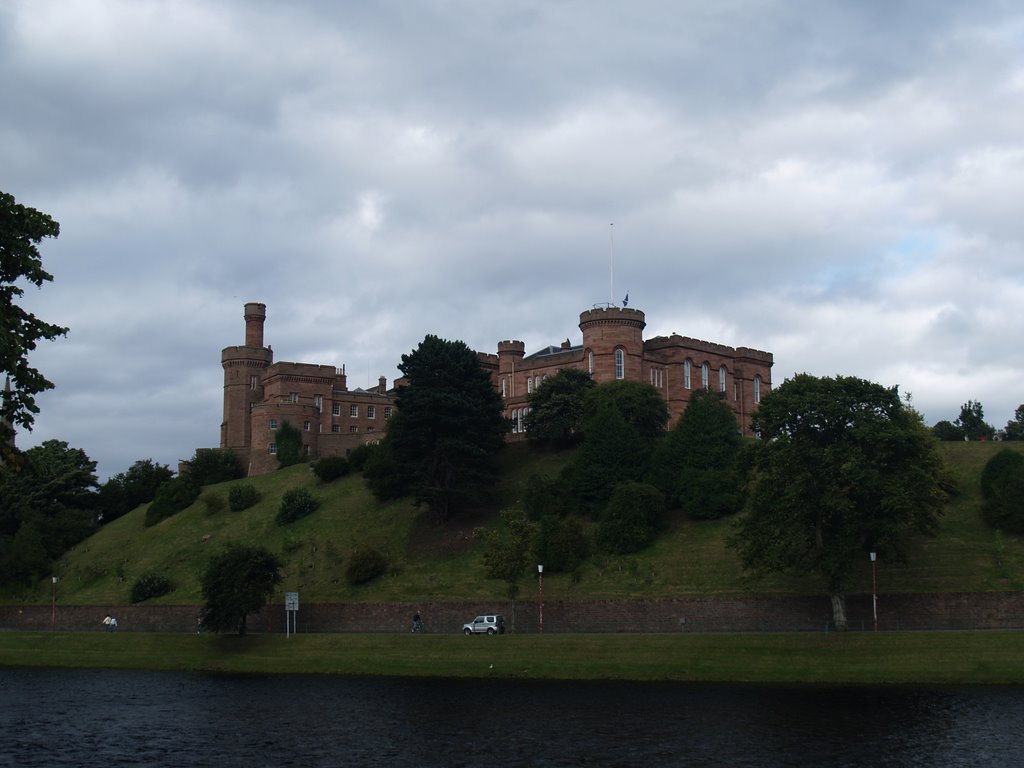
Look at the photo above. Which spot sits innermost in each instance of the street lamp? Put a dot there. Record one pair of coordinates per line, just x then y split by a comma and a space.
874, 590
540, 581
53, 604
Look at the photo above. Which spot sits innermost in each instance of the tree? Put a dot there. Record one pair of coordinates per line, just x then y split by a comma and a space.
1015, 426
447, 427
237, 581
640, 404
695, 466
555, 416
289, 445
612, 452
46, 506
126, 490
507, 554
1002, 490
971, 422
21, 230
947, 431
214, 465
632, 519
844, 468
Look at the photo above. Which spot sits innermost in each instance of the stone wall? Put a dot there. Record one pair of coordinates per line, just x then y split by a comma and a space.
988, 610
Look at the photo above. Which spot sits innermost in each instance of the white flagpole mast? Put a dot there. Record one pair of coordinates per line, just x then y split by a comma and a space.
611, 264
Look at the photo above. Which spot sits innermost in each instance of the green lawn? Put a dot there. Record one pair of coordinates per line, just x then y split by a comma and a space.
435, 562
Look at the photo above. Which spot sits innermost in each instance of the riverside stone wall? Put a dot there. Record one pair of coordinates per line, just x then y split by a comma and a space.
982, 611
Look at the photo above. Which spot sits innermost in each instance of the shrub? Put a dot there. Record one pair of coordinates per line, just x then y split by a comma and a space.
1002, 485
149, 585
214, 465
632, 518
172, 496
365, 564
213, 502
358, 456
296, 504
242, 496
331, 468
560, 544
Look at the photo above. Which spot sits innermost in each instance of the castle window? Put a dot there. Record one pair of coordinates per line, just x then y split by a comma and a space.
293, 397
757, 389
353, 411
273, 423
252, 382
529, 385
353, 428
705, 373
272, 449
318, 402
335, 428
536, 382
721, 379
686, 374
335, 410
305, 425
590, 362
620, 364
371, 411
504, 387
387, 412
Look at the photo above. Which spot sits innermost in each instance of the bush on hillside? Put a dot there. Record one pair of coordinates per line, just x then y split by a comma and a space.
242, 496
149, 585
1002, 486
331, 468
365, 564
213, 465
214, 502
296, 504
171, 497
358, 457
560, 544
632, 519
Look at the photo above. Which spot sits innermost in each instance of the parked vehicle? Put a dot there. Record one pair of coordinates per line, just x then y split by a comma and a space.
490, 624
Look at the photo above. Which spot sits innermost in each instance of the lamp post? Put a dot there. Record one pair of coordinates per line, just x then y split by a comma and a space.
540, 582
53, 605
874, 591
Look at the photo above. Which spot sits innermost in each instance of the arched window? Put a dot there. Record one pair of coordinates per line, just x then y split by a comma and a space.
529, 384
705, 373
504, 387
620, 364
757, 389
686, 374
721, 379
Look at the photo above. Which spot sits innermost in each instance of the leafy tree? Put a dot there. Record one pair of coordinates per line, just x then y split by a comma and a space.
695, 466
843, 468
358, 456
296, 504
508, 549
640, 404
971, 422
632, 519
1015, 426
560, 544
126, 490
47, 505
947, 431
447, 427
214, 465
612, 452
1002, 488
555, 416
384, 476
289, 446
547, 497
21, 230
172, 497
237, 581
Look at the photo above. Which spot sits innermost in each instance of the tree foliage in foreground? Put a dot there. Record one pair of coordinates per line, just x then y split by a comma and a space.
843, 468
237, 581
447, 427
137, 485
555, 416
1002, 490
1015, 426
21, 230
507, 554
214, 465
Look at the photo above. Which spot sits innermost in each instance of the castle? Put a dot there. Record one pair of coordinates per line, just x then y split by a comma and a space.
260, 395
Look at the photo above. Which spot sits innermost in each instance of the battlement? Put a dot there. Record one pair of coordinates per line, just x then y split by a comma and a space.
606, 314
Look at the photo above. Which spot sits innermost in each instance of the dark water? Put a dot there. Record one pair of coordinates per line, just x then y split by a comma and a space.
97, 718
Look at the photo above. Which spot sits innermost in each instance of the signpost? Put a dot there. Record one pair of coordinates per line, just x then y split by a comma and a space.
291, 609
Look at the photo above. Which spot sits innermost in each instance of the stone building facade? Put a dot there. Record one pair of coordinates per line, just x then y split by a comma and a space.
260, 394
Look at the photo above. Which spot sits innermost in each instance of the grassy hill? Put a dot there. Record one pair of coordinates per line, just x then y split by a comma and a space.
432, 562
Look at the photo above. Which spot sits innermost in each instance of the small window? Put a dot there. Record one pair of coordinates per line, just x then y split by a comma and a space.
306, 425
686, 374
293, 397
272, 449
721, 379
529, 385
318, 402
590, 362
335, 410
387, 412
757, 389
353, 428
705, 375
252, 382
371, 411
620, 364
335, 428
273, 423
504, 387
353, 411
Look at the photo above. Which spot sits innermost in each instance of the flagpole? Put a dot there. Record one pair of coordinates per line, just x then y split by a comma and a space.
611, 264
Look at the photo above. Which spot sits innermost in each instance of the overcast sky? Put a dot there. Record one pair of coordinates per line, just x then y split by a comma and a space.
839, 183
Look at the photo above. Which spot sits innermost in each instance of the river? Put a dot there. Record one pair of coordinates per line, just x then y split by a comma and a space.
117, 718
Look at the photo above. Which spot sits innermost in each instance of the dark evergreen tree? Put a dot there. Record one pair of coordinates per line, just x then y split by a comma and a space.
447, 427
126, 490
214, 465
1002, 490
947, 431
640, 404
289, 446
1015, 426
632, 519
971, 422
555, 417
237, 581
612, 452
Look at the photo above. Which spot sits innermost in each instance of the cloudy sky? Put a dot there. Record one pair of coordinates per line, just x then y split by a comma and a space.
839, 183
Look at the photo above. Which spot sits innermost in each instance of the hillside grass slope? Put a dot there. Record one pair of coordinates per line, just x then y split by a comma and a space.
443, 562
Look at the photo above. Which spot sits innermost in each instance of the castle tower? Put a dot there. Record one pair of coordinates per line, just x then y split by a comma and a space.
243, 379
510, 353
613, 342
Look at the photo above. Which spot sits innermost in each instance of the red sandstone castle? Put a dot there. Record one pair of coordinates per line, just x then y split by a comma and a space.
260, 395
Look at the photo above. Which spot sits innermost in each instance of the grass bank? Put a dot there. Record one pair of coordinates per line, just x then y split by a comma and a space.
860, 658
